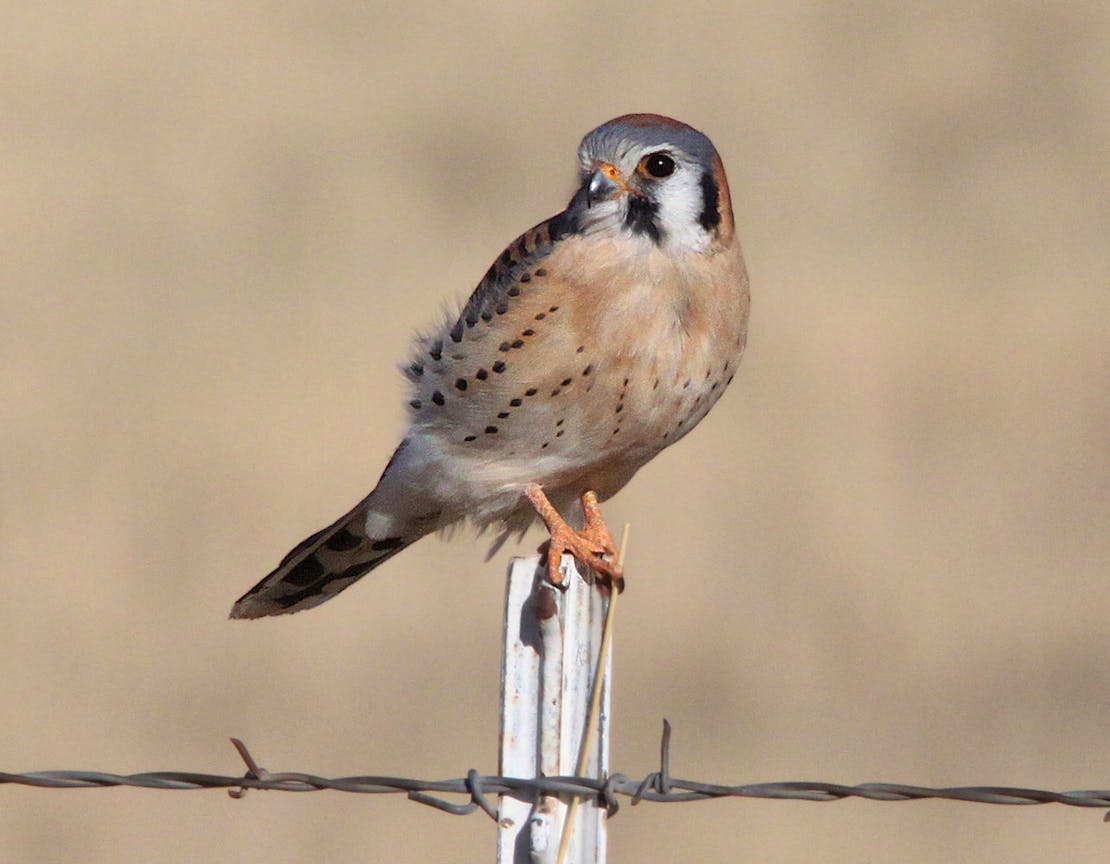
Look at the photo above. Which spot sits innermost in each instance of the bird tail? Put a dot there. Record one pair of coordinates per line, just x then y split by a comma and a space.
320, 567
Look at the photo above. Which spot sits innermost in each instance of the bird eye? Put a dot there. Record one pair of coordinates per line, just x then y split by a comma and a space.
657, 165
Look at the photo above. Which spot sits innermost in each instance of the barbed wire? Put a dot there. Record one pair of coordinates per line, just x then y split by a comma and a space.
657, 786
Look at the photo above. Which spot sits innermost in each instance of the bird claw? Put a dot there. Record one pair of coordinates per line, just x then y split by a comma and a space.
593, 546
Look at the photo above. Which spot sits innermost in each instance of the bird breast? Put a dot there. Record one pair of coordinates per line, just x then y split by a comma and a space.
608, 353
671, 329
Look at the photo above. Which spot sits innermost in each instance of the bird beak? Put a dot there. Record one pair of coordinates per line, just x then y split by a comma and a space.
606, 182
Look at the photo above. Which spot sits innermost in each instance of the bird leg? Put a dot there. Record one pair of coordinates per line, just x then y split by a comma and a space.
593, 546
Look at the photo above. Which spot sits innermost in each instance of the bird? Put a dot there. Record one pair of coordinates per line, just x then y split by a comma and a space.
598, 338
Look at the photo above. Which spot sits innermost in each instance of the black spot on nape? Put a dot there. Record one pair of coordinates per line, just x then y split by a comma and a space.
342, 540
560, 226
416, 403
641, 218
305, 573
481, 374
460, 383
516, 403
387, 543
710, 216
498, 367
437, 397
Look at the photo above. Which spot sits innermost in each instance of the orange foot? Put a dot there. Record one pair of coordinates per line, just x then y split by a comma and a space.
593, 546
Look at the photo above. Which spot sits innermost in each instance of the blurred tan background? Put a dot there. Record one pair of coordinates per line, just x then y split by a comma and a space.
885, 555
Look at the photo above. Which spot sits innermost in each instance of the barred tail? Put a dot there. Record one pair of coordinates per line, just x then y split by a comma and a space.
320, 567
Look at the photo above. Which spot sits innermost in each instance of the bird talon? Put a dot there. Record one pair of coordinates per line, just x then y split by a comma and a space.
553, 563
592, 547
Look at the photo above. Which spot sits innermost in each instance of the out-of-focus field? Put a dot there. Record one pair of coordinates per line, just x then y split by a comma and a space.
884, 556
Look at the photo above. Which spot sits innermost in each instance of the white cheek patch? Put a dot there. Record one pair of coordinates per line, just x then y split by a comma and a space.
680, 207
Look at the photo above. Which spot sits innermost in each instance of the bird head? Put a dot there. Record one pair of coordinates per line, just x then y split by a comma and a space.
656, 178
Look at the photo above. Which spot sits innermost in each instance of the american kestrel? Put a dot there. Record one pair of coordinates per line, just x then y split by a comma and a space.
595, 340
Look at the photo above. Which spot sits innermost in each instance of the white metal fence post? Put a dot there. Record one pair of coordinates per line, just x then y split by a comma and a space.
552, 642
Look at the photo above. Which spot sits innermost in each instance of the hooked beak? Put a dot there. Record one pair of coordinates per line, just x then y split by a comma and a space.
606, 182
